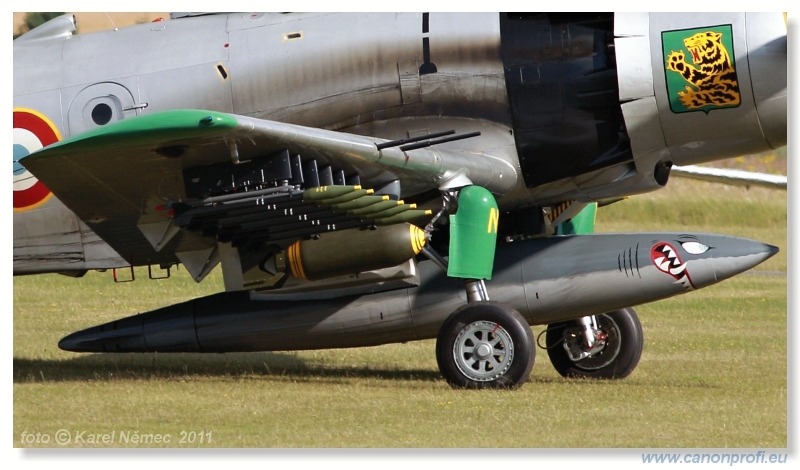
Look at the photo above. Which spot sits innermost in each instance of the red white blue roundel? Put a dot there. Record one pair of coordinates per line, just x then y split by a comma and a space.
32, 131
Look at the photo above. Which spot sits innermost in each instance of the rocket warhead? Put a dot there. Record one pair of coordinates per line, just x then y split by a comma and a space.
546, 280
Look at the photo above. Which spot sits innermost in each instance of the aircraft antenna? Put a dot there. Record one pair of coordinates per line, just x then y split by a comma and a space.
112, 21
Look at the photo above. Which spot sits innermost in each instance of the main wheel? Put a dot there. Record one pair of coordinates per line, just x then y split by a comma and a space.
485, 345
624, 344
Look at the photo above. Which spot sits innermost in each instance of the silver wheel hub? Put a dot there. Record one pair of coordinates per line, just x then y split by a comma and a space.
483, 351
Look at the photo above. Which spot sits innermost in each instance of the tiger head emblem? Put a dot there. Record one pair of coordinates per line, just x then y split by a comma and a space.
709, 77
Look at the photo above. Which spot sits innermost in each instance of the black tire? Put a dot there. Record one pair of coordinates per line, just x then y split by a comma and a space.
616, 361
485, 345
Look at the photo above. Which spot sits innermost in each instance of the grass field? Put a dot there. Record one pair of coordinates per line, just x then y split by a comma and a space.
713, 373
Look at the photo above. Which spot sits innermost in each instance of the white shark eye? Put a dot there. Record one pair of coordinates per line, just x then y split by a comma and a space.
694, 248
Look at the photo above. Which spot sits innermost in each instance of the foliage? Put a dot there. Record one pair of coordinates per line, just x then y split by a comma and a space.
34, 19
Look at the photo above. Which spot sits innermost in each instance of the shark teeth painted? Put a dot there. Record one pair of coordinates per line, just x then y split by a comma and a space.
665, 257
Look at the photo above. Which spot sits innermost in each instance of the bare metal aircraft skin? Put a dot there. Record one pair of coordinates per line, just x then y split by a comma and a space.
373, 178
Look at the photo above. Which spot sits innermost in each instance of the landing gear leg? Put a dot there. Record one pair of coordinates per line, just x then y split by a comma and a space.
605, 346
483, 344
476, 290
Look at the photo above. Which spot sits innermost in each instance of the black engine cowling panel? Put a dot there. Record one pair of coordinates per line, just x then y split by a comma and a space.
561, 76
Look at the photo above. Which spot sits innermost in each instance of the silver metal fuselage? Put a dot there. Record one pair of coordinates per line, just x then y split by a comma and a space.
393, 76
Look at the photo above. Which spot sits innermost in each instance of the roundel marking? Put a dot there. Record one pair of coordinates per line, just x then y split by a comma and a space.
32, 131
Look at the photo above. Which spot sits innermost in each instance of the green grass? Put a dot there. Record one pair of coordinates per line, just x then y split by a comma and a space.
713, 373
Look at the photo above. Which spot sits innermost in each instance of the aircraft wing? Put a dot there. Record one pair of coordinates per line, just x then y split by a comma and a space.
169, 186
731, 177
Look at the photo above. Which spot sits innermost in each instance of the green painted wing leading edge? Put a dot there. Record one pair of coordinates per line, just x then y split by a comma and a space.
118, 178
151, 129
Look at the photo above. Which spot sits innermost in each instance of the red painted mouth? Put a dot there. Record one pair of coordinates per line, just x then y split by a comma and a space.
665, 257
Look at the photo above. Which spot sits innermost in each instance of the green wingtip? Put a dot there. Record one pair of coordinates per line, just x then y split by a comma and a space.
148, 128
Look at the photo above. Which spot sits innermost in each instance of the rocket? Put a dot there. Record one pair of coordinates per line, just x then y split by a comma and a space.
547, 280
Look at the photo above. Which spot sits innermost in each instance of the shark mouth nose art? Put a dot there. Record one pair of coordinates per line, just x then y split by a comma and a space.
666, 258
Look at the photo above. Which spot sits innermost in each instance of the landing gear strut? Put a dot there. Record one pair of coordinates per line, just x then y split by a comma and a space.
605, 346
483, 344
